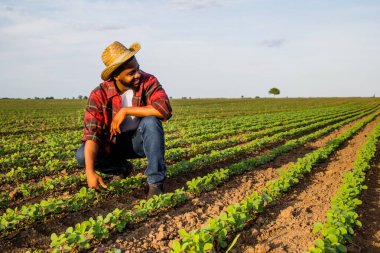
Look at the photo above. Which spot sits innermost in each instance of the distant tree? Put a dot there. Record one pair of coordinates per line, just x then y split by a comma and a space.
85, 97
80, 97
242, 96
274, 91
49, 97
36, 98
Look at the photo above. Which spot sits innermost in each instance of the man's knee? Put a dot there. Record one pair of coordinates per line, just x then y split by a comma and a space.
151, 123
79, 156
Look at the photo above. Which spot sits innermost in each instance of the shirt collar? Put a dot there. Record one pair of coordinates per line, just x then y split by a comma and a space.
111, 89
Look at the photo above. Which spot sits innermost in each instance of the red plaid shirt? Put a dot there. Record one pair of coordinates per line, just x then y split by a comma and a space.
104, 102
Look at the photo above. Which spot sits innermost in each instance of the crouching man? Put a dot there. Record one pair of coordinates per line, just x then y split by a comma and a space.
123, 121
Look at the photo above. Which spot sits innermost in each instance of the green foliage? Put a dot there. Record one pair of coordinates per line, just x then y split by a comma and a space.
18, 164
237, 215
274, 91
99, 229
341, 218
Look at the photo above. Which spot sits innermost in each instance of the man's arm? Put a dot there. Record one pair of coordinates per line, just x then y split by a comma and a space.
142, 111
158, 105
93, 125
157, 97
91, 149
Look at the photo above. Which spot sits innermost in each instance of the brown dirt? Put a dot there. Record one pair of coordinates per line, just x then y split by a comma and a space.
155, 235
19, 200
286, 226
39, 236
367, 238
189, 216
72, 189
7, 187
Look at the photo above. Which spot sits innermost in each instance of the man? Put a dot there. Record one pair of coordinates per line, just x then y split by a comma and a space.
123, 121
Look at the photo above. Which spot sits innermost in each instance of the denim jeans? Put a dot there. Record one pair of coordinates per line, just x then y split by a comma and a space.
146, 141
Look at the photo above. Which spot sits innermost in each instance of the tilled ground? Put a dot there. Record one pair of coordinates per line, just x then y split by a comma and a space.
155, 235
286, 226
367, 238
38, 235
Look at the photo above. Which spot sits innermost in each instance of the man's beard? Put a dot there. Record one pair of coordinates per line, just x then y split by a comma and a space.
130, 85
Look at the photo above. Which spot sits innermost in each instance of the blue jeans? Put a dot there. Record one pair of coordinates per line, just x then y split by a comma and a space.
146, 141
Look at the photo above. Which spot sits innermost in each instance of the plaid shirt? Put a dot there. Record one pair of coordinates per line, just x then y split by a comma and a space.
104, 102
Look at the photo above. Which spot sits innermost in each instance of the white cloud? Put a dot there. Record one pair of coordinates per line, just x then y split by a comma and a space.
195, 4
228, 49
272, 43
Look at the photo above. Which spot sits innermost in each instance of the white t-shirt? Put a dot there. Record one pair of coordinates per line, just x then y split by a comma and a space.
130, 122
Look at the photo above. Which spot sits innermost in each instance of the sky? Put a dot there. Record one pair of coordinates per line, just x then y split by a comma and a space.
196, 48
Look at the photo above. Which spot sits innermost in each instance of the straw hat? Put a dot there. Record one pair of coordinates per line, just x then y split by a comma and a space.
115, 55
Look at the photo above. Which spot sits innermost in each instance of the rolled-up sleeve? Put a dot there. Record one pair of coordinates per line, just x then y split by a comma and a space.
93, 119
157, 97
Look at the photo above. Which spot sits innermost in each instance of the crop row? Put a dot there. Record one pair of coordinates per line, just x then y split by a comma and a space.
14, 218
173, 154
341, 218
214, 235
180, 142
83, 233
54, 116
263, 119
41, 149
52, 124
25, 190
51, 145
54, 165
20, 217
215, 144
7, 143
202, 160
61, 146
54, 145
213, 125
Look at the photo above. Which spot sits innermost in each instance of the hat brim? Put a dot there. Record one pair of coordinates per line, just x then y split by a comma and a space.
133, 49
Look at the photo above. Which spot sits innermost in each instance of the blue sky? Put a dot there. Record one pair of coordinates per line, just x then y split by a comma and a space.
196, 48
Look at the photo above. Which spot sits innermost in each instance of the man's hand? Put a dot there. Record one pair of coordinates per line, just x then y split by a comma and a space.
138, 111
91, 149
93, 181
116, 122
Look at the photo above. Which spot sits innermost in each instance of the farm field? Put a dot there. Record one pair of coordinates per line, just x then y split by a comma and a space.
244, 175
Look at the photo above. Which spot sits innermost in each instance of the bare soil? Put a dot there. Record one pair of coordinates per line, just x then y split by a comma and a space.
286, 226
154, 235
367, 238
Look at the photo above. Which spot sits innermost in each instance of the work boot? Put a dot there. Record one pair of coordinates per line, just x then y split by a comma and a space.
155, 190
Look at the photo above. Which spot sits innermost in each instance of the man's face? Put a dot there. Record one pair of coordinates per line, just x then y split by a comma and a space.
130, 76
